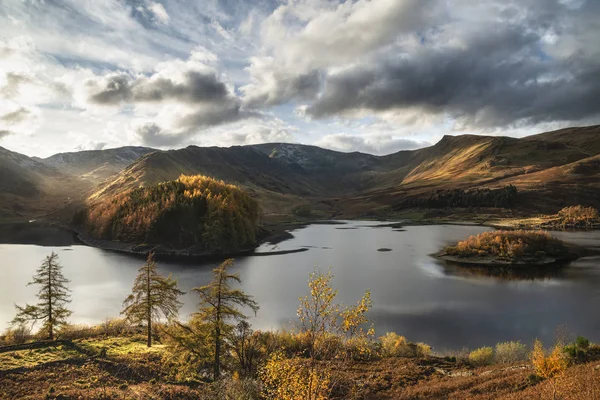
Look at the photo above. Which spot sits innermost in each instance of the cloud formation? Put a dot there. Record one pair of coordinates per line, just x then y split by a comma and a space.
354, 75
374, 144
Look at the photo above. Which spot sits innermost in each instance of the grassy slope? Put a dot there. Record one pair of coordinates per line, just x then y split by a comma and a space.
130, 370
552, 170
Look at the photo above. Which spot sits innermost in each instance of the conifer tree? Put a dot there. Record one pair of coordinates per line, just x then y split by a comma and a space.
151, 296
218, 307
53, 297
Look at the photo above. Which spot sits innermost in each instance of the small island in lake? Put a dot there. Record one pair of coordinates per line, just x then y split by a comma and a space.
509, 248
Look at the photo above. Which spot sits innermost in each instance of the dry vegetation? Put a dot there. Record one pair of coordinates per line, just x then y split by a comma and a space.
572, 217
510, 246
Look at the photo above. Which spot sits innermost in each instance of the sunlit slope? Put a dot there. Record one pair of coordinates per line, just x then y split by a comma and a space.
283, 176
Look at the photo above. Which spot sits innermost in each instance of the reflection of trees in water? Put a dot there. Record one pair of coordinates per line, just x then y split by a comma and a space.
505, 273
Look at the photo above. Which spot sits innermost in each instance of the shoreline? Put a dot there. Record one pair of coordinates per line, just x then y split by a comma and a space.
271, 233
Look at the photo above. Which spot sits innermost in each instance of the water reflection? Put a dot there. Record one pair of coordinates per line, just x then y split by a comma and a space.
413, 293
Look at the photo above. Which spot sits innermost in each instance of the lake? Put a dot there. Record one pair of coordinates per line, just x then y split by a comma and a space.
414, 294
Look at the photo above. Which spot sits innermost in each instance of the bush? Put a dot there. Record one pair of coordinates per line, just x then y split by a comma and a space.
394, 345
578, 351
360, 349
423, 349
548, 365
578, 215
18, 335
293, 378
482, 356
511, 352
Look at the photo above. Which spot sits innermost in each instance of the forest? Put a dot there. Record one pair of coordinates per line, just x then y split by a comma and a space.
505, 197
196, 212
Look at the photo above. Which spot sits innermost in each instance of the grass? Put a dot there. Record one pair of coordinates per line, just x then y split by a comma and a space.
131, 370
126, 346
35, 357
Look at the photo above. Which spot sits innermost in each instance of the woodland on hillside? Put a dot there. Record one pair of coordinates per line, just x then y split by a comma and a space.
192, 211
505, 197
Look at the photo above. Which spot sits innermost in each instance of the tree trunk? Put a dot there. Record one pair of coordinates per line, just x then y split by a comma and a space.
50, 320
149, 309
149, 332
217, 366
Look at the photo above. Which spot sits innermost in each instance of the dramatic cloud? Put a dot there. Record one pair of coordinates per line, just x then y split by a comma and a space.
152, 135
196, 87
504, 77
4, 133
375, 76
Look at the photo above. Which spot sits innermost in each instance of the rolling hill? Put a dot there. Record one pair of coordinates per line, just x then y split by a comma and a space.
31, 187
550, 170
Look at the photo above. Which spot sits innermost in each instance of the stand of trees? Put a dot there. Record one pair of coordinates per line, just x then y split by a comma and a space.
196, 212
505, 197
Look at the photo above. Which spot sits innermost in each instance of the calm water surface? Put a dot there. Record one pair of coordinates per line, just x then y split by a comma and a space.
413, 293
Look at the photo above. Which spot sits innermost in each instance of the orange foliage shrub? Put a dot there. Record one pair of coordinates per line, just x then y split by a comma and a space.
578, 215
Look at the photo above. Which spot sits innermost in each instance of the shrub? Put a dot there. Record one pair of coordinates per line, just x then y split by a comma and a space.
578, 351
578, 215
482, 356
394, 345
510, 352
360, 349
548, 365
423, 349
18, 335
294, 378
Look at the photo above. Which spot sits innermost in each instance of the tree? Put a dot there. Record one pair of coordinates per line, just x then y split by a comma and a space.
151, 296
54, 295
219, 308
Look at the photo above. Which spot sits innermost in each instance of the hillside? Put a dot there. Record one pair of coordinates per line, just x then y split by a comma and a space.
29, 188
550, 170
96, 165
547, 169
196, 213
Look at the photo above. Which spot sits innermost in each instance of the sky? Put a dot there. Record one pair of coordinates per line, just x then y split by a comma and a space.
376, 76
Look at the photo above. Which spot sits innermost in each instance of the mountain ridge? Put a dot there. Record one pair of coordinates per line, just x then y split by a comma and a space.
285, 177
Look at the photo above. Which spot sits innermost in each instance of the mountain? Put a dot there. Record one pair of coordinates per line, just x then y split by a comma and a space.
29, 187
552, 169
96, 165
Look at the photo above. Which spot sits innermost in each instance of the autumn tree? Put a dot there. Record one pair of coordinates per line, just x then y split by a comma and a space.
152, 295
53, 297
220, 308
320, 321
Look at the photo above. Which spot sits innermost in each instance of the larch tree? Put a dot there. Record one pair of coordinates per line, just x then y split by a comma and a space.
219, 308
53, 297
152, 295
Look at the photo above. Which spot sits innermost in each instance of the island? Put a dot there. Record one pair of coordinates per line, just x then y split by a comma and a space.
510, 248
